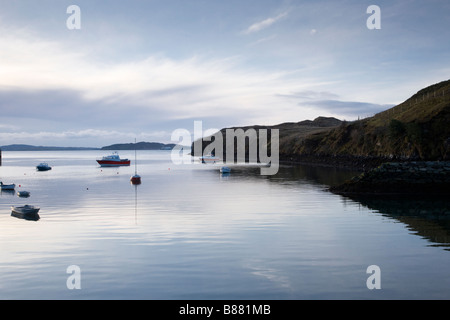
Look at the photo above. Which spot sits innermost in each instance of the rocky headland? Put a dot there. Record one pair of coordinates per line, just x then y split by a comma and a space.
404, 149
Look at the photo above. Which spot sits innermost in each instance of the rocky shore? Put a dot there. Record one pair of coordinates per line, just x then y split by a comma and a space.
414, 177
361, 163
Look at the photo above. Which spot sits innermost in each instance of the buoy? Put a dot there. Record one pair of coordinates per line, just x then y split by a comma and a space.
136, 179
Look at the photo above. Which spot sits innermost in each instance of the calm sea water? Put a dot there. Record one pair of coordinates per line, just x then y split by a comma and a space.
189, 233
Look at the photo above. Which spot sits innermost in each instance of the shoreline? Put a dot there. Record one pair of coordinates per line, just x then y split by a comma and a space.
400, 178
358, 163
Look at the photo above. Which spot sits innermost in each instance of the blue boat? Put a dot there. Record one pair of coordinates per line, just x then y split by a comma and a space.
7, 186
43, 167
225, 170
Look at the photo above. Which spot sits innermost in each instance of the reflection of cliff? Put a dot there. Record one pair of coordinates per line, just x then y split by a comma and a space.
428, 217
317, 174
298, 174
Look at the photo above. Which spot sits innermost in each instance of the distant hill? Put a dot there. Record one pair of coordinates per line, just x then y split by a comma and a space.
26, 147
120, 146
140, 146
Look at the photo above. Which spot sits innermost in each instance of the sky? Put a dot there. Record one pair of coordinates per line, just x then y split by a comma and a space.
126, 70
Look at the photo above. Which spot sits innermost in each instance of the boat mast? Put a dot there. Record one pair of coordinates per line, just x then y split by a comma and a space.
135, 157
136, 179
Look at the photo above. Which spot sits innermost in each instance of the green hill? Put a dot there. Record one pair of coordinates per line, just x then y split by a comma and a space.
417, 129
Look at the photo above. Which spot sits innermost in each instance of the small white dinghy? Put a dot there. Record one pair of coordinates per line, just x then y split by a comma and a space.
26, 212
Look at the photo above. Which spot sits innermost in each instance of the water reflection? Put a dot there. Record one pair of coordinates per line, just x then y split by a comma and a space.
135, 201
315, 175
31, 217
427, 217
10, 193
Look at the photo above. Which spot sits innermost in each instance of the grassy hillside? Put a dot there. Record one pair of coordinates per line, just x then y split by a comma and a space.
290, 133
415, 129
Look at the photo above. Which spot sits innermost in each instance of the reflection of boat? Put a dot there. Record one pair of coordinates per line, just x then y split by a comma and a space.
26, 212
225, 170
113, 160
23, 194
208, 159
43, 167
7, 186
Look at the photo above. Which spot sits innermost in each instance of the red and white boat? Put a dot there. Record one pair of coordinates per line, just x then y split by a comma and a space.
113, 160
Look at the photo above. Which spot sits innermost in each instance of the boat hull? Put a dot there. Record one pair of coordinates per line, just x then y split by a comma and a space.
43, 168
26, 212
110, 163
8, 186
225, 170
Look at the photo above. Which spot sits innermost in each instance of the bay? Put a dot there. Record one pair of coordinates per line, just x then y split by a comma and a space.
188, 232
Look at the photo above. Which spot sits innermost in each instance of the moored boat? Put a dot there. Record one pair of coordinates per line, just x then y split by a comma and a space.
26, 212
7, 186
113, 160
136, 179
23, 194
43, 167
225, 169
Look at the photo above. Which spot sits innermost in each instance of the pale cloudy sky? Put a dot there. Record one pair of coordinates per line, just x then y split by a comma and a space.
141, 69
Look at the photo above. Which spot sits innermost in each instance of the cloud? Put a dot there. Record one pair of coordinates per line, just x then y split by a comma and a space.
264, 23
326, 102
311, 95
349, 108
265, 39
50, 81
